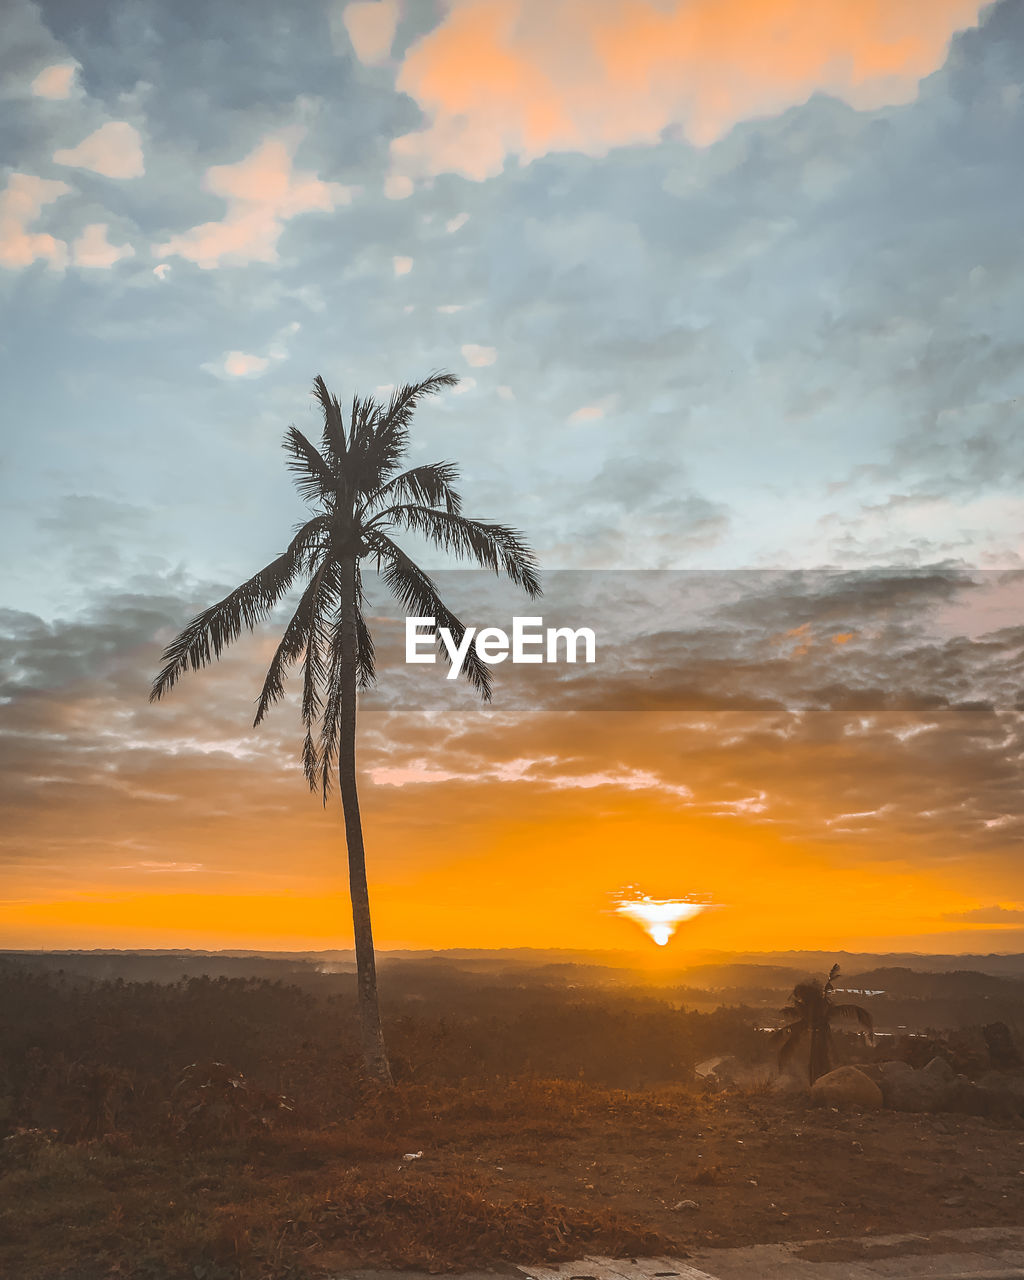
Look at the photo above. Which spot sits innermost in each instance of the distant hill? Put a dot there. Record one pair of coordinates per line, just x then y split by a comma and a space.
905, 974
954, 984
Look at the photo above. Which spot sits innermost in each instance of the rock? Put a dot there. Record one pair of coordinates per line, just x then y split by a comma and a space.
728, 1070
925, 1090
846, 1086
940, 1070
972, 1099
1006, 1090
968, 1098
686, 1204
895, 1068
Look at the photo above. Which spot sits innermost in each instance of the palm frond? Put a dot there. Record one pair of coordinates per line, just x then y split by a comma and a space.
322, 777
360, 417
209, 633
333, 442
366, 667
853, 1011
313, 477
311, 762
318, 647
293, 642
430, 485
313, 667
362, 422
386, 437
404, 399
494, 546
417, 592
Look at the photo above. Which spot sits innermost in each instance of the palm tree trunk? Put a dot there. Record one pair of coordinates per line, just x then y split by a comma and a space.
820, 1060
374, 1053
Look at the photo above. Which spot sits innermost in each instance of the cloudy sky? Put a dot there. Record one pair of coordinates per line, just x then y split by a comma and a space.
730, 288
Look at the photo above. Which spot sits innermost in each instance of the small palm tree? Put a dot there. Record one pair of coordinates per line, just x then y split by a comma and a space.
811, 1015
359, 499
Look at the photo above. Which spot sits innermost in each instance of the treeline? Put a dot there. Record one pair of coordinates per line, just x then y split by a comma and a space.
82, 1058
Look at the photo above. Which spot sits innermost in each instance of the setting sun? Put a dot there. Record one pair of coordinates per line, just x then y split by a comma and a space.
659, 918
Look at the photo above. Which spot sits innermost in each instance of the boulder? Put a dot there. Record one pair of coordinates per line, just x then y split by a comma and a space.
974, 1099
846, 1087
1007, 1089
930, 1089
890, 1070
940, 1071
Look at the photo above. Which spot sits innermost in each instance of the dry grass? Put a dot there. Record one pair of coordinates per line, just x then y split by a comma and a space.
403, 1219
292, 1201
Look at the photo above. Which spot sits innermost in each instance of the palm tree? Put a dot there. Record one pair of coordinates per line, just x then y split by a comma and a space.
811, 1014
359, 498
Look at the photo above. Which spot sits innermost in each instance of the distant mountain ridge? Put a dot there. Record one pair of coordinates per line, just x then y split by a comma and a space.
699, 968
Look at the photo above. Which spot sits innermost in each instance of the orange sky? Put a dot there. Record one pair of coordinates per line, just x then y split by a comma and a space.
228, 852
874, 828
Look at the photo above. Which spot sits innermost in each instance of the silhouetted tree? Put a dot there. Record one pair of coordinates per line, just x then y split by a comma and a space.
359, 498
811, 1015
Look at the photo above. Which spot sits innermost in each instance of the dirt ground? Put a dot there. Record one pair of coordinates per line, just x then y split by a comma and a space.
530, 1172
731, 1170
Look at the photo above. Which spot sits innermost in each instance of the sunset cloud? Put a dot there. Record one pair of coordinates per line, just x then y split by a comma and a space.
238, 364
262, 193
371, 28
398, 187
508, 78
248, 364
55, 82
93, 249
477, 356
995, 915
114, 151
587, 413
20, 205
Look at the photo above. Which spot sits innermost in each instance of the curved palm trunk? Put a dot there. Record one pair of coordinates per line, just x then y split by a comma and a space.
374, 1053
820, 1060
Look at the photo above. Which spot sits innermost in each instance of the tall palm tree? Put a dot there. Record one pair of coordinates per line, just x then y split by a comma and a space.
811, 1015
359, 499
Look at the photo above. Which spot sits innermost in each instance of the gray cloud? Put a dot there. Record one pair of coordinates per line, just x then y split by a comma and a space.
987, 915
898, 751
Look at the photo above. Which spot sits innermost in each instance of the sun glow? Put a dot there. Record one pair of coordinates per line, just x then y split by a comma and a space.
658, 917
